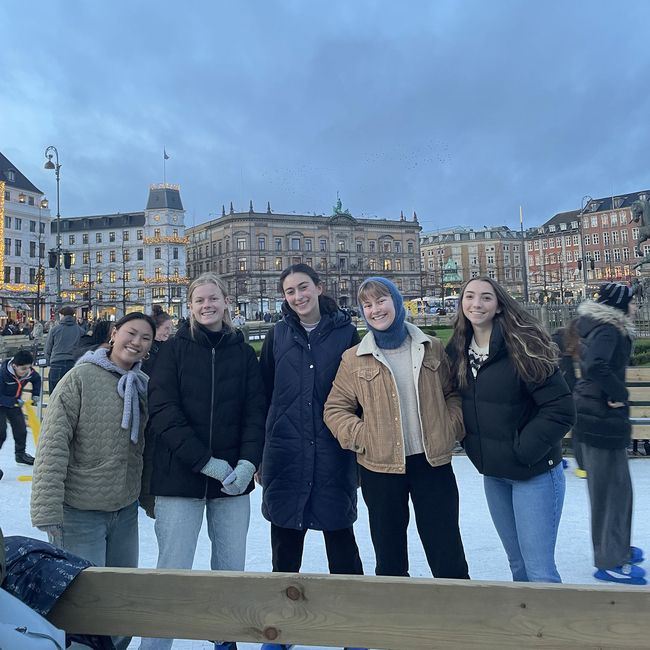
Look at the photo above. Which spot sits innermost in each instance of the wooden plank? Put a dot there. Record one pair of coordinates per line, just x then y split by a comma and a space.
639, 393
638, 373
640, 411
360, 611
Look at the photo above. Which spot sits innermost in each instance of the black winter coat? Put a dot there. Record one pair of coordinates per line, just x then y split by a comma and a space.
605, 348
513, 429
309, 480
205, 400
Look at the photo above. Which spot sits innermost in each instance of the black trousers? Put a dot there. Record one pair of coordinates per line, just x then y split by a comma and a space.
18, 427
342, 551
434, 493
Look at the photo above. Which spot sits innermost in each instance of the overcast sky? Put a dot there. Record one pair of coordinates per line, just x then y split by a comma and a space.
460, 110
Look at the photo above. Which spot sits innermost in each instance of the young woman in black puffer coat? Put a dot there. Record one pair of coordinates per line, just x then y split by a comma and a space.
606, 331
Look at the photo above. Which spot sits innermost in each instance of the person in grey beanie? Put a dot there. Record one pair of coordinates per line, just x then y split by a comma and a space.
606, 330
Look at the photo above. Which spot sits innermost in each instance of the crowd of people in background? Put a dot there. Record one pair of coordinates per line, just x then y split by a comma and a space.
184, 423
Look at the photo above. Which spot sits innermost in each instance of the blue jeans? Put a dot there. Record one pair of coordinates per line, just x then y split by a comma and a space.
178, 523
103, 538
526, 515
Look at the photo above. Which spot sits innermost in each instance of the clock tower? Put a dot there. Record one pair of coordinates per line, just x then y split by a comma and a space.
164, 248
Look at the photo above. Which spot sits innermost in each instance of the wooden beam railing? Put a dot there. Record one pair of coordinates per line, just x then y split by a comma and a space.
359, 611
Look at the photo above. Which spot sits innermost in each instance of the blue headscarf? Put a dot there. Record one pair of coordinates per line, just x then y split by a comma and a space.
395, 335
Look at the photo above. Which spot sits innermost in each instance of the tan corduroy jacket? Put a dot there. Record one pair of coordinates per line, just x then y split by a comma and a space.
364, 379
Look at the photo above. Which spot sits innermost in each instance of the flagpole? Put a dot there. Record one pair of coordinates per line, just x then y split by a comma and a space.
164, 166
523, 254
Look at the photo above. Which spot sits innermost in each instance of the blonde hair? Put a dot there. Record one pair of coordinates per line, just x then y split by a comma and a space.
372, 289
208, 278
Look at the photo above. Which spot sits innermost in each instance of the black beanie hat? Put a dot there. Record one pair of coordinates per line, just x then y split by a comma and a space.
615, 294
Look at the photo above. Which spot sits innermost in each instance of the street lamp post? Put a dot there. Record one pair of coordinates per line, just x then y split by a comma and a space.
52, 152
43, 205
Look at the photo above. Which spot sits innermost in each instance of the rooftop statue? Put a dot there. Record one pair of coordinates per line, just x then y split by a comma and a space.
338, 208
641, 215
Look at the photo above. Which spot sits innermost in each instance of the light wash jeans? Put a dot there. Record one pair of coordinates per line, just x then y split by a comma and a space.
178, 523
526, 515
103, 538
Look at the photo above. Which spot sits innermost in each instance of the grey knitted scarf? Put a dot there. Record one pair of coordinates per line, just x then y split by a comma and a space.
131, 385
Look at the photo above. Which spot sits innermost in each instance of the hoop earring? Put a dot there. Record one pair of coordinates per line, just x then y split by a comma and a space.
111, 343
146, 356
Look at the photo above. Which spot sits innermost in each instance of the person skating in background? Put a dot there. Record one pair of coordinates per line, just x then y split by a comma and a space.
14, 374
393, 402
309, 482
517, 407
207, 410
606, 330
164, 329
62, 340
568, 342
99, 335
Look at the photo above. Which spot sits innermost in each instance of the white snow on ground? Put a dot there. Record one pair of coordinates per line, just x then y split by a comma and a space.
484, 552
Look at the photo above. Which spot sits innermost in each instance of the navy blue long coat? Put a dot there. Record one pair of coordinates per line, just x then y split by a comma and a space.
309, 481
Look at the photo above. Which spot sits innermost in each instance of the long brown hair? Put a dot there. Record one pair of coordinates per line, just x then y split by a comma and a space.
529, 346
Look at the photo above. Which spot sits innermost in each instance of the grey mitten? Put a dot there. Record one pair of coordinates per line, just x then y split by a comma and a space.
239, 479
217, 469
54, 534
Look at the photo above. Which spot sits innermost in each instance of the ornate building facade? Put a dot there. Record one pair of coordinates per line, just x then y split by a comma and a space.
249, 250
117, 263
450, 257
24, 221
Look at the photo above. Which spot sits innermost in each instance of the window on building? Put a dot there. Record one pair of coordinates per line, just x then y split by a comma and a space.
98, 257
372, 264
111, 236
140, 254
241, 264
372, 246
295, 243
127, 276
595, 238
7, 274
278, 243
604, 220
140, 275
157, 253
126, 254
17, 272
388, 265
125, 235
617, 254
32, 275
7, 222
626, 253
411, 248
139, 235
19, 226
278, 264
596, 256
613, 219
261, 243
309, 245
32, 249
98, 237
614, 236
175, 253
343, 263
18, 247
341, 245
398, 246
359, 246
605, 238
112, 295
241, 243
261, 263
322, 245
112, 276
84, 238
386, 247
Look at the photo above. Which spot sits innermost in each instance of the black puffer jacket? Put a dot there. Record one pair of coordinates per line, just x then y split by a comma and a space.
513, 429
206, 399
605, 347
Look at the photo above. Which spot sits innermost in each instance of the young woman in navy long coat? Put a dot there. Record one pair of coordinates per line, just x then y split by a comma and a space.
309, 481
